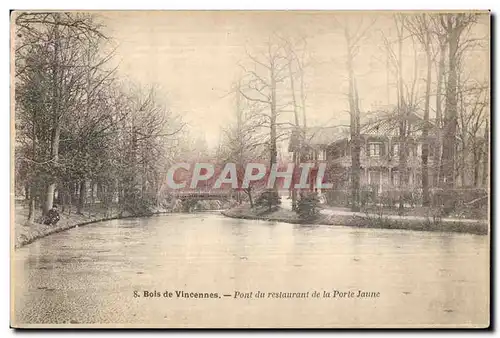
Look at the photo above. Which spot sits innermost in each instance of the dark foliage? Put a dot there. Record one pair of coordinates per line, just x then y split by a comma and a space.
471, 201
307, 206
269, 198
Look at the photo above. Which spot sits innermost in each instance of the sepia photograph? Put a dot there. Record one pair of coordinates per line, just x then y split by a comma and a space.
250, 169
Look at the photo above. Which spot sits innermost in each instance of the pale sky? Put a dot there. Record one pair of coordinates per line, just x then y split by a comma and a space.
193, 57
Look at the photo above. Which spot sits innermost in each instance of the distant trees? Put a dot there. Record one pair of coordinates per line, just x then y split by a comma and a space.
454, 26
453, 130
77, 127
84, 135
243, 141
472, 132
271, 86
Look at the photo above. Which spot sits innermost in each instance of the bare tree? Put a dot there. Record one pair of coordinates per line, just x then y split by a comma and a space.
486, 154
242, 141
403, 118
454, 25
260, 86
353, 40
295, 57
59, 41
472, 120
419, 26
78, 129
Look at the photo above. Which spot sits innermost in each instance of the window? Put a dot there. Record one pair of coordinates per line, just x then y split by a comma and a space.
395, 150
431, 150
374, 177
395, 178
374, 149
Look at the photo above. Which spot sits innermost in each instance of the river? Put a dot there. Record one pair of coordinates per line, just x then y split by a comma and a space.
88, 275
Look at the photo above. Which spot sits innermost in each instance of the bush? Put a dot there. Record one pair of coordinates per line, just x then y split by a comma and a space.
460, 200
368, 194
269, 198
338, 197
307, 206
388, 198
188, 204
391, 198
139, 207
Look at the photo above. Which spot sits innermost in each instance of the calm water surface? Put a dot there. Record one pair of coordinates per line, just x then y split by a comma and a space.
88, 275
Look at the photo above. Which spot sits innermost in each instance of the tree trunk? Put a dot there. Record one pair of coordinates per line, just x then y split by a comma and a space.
294, 191
54, 154
92, 199
425, 130
463, 163
437, 141
70, 197
31, 205
272, 148
81, 197
354, 129
486, 156
476, 164
402, 112
63, 196
100, 194
249, 193
273, 136
303, 98
41, 199
297, 126
51, 188
49, 198
56, 131
450, 120
31, 187
463, 153
355, 158
239, 130
27, 192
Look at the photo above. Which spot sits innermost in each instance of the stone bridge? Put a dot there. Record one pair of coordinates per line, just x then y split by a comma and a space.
190, 198
200, 195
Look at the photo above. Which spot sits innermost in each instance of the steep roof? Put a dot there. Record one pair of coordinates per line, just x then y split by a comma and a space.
378, 122
325, 135
318, 136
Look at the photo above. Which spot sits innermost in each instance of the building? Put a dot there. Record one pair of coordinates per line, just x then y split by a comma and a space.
379, 153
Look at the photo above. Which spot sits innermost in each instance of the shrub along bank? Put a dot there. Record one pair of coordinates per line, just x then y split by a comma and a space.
359, 220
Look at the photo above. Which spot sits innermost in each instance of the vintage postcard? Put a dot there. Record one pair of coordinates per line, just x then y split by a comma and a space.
250, 169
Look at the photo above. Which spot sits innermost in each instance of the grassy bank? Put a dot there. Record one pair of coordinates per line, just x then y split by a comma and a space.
477, 228
27, 232
355, 220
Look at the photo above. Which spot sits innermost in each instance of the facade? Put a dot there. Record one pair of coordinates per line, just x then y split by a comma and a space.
379, 159
379, 154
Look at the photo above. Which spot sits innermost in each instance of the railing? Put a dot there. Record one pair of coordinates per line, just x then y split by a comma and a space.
201, 193
380, 161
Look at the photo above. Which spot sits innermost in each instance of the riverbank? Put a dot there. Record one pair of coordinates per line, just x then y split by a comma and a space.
360, 220
27, 232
